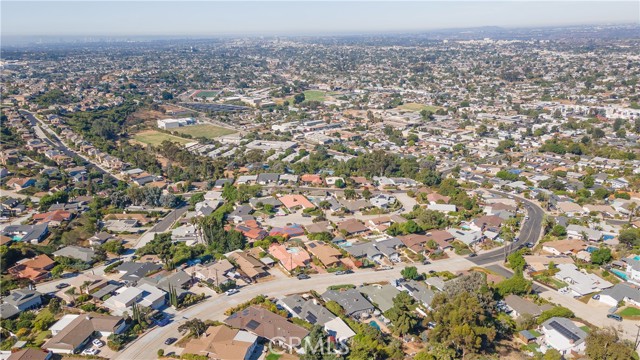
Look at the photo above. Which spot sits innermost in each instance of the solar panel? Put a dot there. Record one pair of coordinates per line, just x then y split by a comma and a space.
311, 318
253, 325
312, 245
564, 331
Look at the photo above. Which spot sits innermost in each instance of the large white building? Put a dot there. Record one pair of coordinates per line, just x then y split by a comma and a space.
175, 123
563, 335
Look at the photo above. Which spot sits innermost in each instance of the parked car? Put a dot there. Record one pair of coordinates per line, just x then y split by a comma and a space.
386, 267
615, 317
529, 245
97, 343
303, 277
163, 321
426, 262
596, 297
62, 286
170, 341
473, 255
231, 292
92, 351
341, 272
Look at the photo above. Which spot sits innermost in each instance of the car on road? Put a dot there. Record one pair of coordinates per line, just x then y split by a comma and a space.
343, 272
231, 292
529, 245
170, 341
91, 351
432, 271
526, 217
98, 343
386, 267
615, 317
62, 286
473, 255
426, 262
303, 276
596, 297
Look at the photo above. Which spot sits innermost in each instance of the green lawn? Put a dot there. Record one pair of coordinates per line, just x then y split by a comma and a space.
630, 312
273, 356
585, 328
417, 107
204, 130
155, 138
207, 93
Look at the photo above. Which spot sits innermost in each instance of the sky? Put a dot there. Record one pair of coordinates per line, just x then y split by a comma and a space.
210, 18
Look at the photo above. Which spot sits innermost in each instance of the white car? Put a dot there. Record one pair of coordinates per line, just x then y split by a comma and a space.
97, 343
91, 351
231, 292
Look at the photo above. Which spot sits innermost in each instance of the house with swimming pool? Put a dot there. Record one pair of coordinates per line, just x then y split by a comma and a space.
633, 269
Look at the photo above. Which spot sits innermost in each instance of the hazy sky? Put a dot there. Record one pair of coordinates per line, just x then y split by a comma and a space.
197, 18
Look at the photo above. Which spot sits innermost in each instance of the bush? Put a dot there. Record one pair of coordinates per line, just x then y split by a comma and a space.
160, 352
558, 311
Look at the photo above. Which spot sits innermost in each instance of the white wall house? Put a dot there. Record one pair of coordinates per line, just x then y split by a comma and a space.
563, 335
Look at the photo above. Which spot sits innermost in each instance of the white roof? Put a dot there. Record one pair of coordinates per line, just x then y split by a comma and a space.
339, 329
245, 336
62, 323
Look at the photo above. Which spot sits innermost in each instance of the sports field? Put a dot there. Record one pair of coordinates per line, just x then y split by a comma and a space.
417, 107
205, 93
155, 138
204, 130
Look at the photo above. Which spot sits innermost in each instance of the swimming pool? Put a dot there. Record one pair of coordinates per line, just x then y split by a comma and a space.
620, 274
375, 325
591, 249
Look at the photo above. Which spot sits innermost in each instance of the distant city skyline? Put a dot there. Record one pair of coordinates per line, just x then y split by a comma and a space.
203, 18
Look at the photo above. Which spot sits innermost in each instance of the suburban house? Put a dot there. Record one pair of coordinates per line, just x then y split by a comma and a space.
582, 232
144, 295
249, 266
626, 292
563, 335
294, 201
570, 209
132, 272
222, 342
564, 247
79, 331
263, 323
580, 283
35, 269
419, 291
520, 306
19, 300
30, 354
76, 252
633, 269
53, 218
445, 208
290, 258
309, 310
353, 303
352, 227
100, 238
381, 295
27, 233
327, 254
214, 273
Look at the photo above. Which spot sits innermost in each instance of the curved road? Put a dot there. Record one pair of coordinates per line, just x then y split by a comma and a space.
530, 232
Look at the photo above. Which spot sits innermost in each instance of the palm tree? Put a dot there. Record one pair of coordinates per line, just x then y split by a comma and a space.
633, 207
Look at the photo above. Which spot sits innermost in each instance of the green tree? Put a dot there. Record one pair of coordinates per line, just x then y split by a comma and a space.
410, 273
605, 344
196, 327
516, 261
558, 311
559, 230
402, 314
298, 98
601, 256
552, 354
516, 284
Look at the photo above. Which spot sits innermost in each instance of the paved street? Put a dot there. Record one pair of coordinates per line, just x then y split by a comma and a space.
54, 140
530, 232
213, 308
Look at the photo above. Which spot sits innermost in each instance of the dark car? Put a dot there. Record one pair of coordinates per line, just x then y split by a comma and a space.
163, 321
303, 277
170, 341
473, 255
62, 286
529, 245
426, 262
615, 317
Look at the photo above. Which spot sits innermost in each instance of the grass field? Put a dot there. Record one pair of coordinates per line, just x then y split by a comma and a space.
630, 312
155, 138
204, 130
206, 93
417, 107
